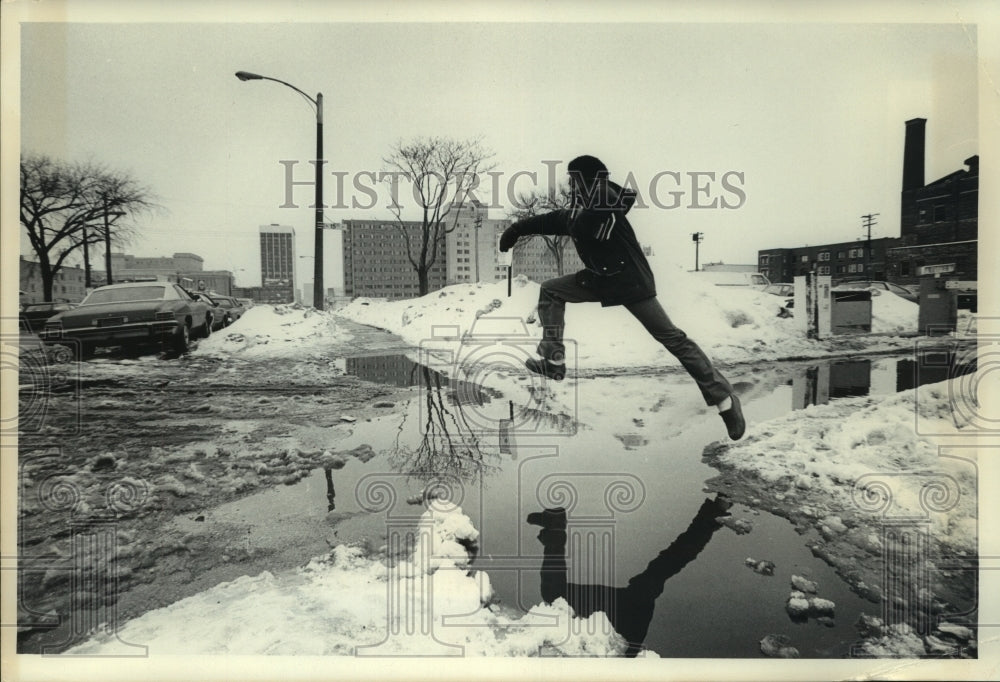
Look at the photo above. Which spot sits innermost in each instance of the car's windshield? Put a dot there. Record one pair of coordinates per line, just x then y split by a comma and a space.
150, 293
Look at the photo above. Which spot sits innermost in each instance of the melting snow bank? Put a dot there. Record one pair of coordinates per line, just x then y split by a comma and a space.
273, 331
340, 604
863, 478
732, 324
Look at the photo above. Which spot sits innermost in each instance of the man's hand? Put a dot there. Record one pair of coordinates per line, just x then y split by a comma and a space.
508, 238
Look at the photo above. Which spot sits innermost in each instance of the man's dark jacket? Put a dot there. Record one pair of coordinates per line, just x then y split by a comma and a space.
615, 267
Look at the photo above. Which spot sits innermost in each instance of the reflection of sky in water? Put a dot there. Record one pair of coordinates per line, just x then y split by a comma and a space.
631, 494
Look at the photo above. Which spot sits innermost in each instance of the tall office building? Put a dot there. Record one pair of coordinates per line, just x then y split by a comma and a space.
277, 263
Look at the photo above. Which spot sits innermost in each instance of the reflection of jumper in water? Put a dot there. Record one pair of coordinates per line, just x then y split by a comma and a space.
629, 609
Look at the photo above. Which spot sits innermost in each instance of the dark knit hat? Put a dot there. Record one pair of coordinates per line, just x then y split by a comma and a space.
588, 168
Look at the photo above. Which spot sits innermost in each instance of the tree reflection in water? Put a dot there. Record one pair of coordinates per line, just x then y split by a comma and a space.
451, 444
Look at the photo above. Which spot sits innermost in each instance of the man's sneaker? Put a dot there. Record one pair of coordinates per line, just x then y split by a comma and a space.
546, 368
553, 519
733, 417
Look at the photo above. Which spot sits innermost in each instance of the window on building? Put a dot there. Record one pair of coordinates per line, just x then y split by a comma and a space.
940, 213
824, 269
840, 255
824, 255
763, 260
805, 258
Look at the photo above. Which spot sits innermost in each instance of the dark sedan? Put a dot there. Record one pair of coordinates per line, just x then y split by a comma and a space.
878, 286
233, 309
133, 313
33, 316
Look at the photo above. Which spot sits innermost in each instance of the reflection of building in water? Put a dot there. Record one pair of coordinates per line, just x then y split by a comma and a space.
817, 385
931, 367
398, 370
850, 379
394, 370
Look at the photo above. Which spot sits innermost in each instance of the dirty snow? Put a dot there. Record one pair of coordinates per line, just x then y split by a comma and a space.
731, 324
305, 612
273, 331
822, 451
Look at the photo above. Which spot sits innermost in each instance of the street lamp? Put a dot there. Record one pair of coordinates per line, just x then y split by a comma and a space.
317, 102
697, 238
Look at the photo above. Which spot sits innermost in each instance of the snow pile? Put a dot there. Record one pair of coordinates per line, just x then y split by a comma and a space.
273, 331
892, 314
864, 457
729, 323
438, 606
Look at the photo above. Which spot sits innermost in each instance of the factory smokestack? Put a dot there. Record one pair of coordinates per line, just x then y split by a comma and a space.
913, 154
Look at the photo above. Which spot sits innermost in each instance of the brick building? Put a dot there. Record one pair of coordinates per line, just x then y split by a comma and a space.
184, 268
938, 231
68, 285
939, 221
842, 260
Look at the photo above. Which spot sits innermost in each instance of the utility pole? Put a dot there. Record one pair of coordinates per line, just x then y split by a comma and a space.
86, 261
479, 224
697, 238
867, 225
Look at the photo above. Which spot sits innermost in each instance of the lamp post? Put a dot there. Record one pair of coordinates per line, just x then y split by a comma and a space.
696, 237
317, 102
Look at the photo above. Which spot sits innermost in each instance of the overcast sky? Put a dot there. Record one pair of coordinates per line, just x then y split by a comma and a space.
808, 120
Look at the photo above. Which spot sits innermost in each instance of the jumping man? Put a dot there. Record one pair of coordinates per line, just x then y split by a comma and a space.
616, 273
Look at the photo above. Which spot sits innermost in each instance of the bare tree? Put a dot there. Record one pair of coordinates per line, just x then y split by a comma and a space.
536, 203
442, 172
65, 205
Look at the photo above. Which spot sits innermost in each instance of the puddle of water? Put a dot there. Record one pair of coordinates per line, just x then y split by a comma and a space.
632, 497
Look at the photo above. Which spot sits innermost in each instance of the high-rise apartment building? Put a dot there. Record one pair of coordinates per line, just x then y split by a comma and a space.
277, 263
376, 264
472, 245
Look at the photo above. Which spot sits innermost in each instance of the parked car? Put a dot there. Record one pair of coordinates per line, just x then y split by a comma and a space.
735, 279
232, 307
33, 316
219, 319
780, 289
247, 303
878, 286
132, 313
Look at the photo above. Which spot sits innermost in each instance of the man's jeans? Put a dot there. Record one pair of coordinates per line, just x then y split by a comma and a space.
556, 293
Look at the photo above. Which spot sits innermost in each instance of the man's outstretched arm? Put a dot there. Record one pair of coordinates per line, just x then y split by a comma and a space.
552, 223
